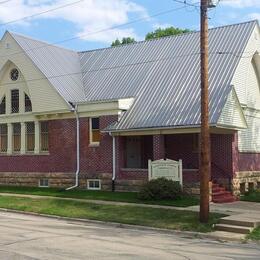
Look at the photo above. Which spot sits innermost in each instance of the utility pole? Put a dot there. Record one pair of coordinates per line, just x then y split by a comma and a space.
205, 135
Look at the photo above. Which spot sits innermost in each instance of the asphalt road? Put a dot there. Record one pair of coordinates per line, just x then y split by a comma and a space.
24, 237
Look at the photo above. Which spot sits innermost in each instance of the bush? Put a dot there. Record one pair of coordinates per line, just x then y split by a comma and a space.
159, 189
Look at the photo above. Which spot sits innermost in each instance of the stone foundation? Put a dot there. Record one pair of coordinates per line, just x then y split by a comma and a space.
245, 181
57, 180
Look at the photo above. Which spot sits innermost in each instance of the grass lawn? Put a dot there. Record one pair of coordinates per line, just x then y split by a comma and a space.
253, 196
137, 215
99, 195
255, 234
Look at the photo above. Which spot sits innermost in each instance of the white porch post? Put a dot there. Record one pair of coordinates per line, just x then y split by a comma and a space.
8, 102
9, 138
37, 137
21, 102
23, 138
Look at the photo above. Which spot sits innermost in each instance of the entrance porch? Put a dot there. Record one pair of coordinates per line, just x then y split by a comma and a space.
133, 153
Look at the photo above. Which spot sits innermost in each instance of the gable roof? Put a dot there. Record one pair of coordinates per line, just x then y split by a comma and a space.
162, 75
59, 65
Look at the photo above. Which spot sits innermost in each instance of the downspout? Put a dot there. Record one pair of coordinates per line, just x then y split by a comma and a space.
78, 152
114, 162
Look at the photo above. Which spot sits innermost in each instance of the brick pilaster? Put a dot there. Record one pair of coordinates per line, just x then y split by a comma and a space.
158, 147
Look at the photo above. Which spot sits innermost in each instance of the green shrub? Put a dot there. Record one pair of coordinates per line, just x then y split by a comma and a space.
159, 189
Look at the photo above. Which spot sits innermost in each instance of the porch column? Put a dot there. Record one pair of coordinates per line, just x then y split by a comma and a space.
37, 137
23, 138
158, 147
10, 138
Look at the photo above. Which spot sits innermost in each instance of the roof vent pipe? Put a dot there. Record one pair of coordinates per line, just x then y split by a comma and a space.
78, 152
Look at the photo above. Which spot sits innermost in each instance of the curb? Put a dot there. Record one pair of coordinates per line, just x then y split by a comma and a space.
186, 234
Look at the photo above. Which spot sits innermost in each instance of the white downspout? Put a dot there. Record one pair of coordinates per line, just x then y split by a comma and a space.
78, 152
114, 163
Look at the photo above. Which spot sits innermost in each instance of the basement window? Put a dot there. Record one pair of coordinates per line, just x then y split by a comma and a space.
94, 184
44, 183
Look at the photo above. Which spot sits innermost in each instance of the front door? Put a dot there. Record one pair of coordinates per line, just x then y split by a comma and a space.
133, 152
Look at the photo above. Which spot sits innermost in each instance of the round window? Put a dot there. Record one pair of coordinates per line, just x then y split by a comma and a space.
14, 74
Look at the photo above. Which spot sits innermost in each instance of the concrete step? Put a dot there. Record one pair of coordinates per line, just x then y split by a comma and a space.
227, 236
233, 222
233, 229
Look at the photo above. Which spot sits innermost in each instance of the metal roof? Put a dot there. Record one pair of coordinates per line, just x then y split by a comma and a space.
59, 65
163, 76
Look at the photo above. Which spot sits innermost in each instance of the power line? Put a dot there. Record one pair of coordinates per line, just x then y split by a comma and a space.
96, 32
41, 13
126, 65
3, 2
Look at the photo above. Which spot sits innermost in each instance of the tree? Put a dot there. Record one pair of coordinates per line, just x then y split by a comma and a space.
124, 40
159, 33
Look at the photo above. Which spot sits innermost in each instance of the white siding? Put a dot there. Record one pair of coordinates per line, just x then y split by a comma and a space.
242, 80
44, 97
246, 83
232, 115
249, 139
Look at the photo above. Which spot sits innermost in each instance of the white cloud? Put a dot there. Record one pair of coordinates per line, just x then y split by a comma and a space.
254, 16
88, 16
241, 3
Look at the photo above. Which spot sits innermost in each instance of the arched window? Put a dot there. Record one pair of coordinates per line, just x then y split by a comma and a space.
2, 106
27, 103
15, 100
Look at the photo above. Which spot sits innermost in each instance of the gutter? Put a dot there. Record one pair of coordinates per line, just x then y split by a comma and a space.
75, 110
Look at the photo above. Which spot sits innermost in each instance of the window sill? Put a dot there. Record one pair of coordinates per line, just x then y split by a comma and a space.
134, 169
24, 154
94, 145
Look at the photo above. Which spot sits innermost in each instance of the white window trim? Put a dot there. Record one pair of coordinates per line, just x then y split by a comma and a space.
91, 143
43, 186
93, 188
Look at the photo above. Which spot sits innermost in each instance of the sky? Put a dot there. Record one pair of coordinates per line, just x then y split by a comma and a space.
96, 23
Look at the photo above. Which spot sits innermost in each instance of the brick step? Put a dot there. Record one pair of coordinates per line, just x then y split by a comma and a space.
221, 193
234, 222
224, 199
233, 229
218, 189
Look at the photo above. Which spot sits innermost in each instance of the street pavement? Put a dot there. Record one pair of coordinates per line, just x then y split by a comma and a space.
25, 237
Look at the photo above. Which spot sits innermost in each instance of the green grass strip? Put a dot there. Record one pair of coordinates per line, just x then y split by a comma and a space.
131, 197
136, 215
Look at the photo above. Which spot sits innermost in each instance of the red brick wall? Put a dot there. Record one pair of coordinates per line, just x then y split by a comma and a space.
62, 150
96, 159
61, 157
221, 156
180, 147
244, 161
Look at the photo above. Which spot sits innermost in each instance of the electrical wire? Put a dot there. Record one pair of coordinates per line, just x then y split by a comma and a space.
45, 45
41, 13
3, 2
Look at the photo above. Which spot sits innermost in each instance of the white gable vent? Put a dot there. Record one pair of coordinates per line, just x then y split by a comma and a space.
7, 45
